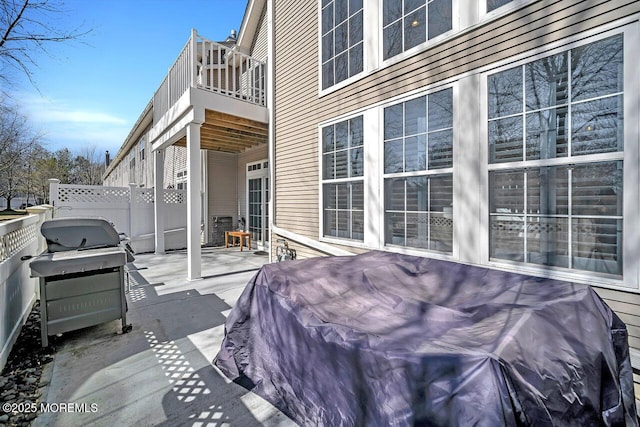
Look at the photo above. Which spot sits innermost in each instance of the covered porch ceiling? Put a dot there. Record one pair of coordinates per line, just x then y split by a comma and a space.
228, 133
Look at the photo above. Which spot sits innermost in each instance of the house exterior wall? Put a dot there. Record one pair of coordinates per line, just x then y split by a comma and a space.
260, 47
460, 60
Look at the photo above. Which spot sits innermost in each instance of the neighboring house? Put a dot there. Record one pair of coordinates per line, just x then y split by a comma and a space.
496, 133
206, 131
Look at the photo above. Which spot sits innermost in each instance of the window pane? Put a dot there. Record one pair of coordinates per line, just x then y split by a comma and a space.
415, 153
546, 134
342, 67
394, 228
597, 189
330, 223
355, 132
507, 237
392, 10
494, 4
441, 110
342, 167
328, 170
343, 196
505, 93
393, 156
343, 224
394, 194
415, 111
354, 6
327, 46
327, 19
597, 245
355, 60
441, 196
440, 14
597, 126
418, 230
342, 10
342, 38
357, 228
342, 135
546, 82
327, 139
548, 241
597, 69
441, 149
506, 192
393, 121
356, 162
327, 74
329, 196
415, 28
357, 196
548, 191
392, 40
417, 194
355, 29
411, 5
505, 140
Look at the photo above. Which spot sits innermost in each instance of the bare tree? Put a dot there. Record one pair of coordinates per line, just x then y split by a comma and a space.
26, 31
16, 142
88, 167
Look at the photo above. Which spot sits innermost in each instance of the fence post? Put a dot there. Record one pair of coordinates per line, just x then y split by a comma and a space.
132, 209
53, 194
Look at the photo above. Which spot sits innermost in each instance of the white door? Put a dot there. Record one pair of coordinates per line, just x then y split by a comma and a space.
258, 203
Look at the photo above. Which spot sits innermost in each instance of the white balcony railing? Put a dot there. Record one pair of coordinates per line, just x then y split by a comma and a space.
213, 67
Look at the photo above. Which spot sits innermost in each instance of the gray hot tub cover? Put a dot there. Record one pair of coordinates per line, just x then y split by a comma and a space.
384, 339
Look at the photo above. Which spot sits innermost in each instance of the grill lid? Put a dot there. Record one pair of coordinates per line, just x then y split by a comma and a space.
66, 234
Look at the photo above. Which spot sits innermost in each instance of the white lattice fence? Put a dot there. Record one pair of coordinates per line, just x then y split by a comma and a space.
18, 237
130, 209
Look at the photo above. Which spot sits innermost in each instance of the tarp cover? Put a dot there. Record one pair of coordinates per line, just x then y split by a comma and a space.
384, 339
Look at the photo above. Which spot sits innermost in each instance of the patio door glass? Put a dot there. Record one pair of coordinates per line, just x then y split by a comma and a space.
258, 203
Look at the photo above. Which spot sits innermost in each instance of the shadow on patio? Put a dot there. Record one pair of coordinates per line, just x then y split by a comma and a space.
161, 372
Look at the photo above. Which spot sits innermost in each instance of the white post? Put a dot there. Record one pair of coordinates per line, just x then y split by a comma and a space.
158, 197
132, 210
194, 251
53, 194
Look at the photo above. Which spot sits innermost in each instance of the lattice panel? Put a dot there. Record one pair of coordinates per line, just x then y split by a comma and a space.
93, 195
175, 197
16, 240
144, 196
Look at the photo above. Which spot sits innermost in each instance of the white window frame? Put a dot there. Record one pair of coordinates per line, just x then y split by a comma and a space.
321, 181
366, 54
631, 170
428, 172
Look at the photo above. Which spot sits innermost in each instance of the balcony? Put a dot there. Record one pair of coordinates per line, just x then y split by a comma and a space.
216, 85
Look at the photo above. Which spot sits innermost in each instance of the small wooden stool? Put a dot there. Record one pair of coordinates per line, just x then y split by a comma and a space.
240, 235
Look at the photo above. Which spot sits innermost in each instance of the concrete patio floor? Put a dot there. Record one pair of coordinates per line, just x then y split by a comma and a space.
161, 372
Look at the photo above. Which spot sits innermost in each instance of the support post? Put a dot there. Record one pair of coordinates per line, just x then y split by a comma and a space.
194, 251
53, 194
158, 197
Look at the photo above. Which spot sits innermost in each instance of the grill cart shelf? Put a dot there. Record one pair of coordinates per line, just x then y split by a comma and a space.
81, 276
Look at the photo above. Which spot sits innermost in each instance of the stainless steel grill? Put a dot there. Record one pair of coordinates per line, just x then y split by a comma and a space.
81, 275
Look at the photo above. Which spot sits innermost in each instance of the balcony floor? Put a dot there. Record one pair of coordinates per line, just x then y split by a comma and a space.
160, 373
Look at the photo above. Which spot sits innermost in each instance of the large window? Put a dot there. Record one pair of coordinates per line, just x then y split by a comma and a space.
418, 167
343, 179
342, 45
555, 134
409, 23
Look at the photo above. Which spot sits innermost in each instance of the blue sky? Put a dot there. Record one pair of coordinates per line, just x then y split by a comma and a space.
91, 92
